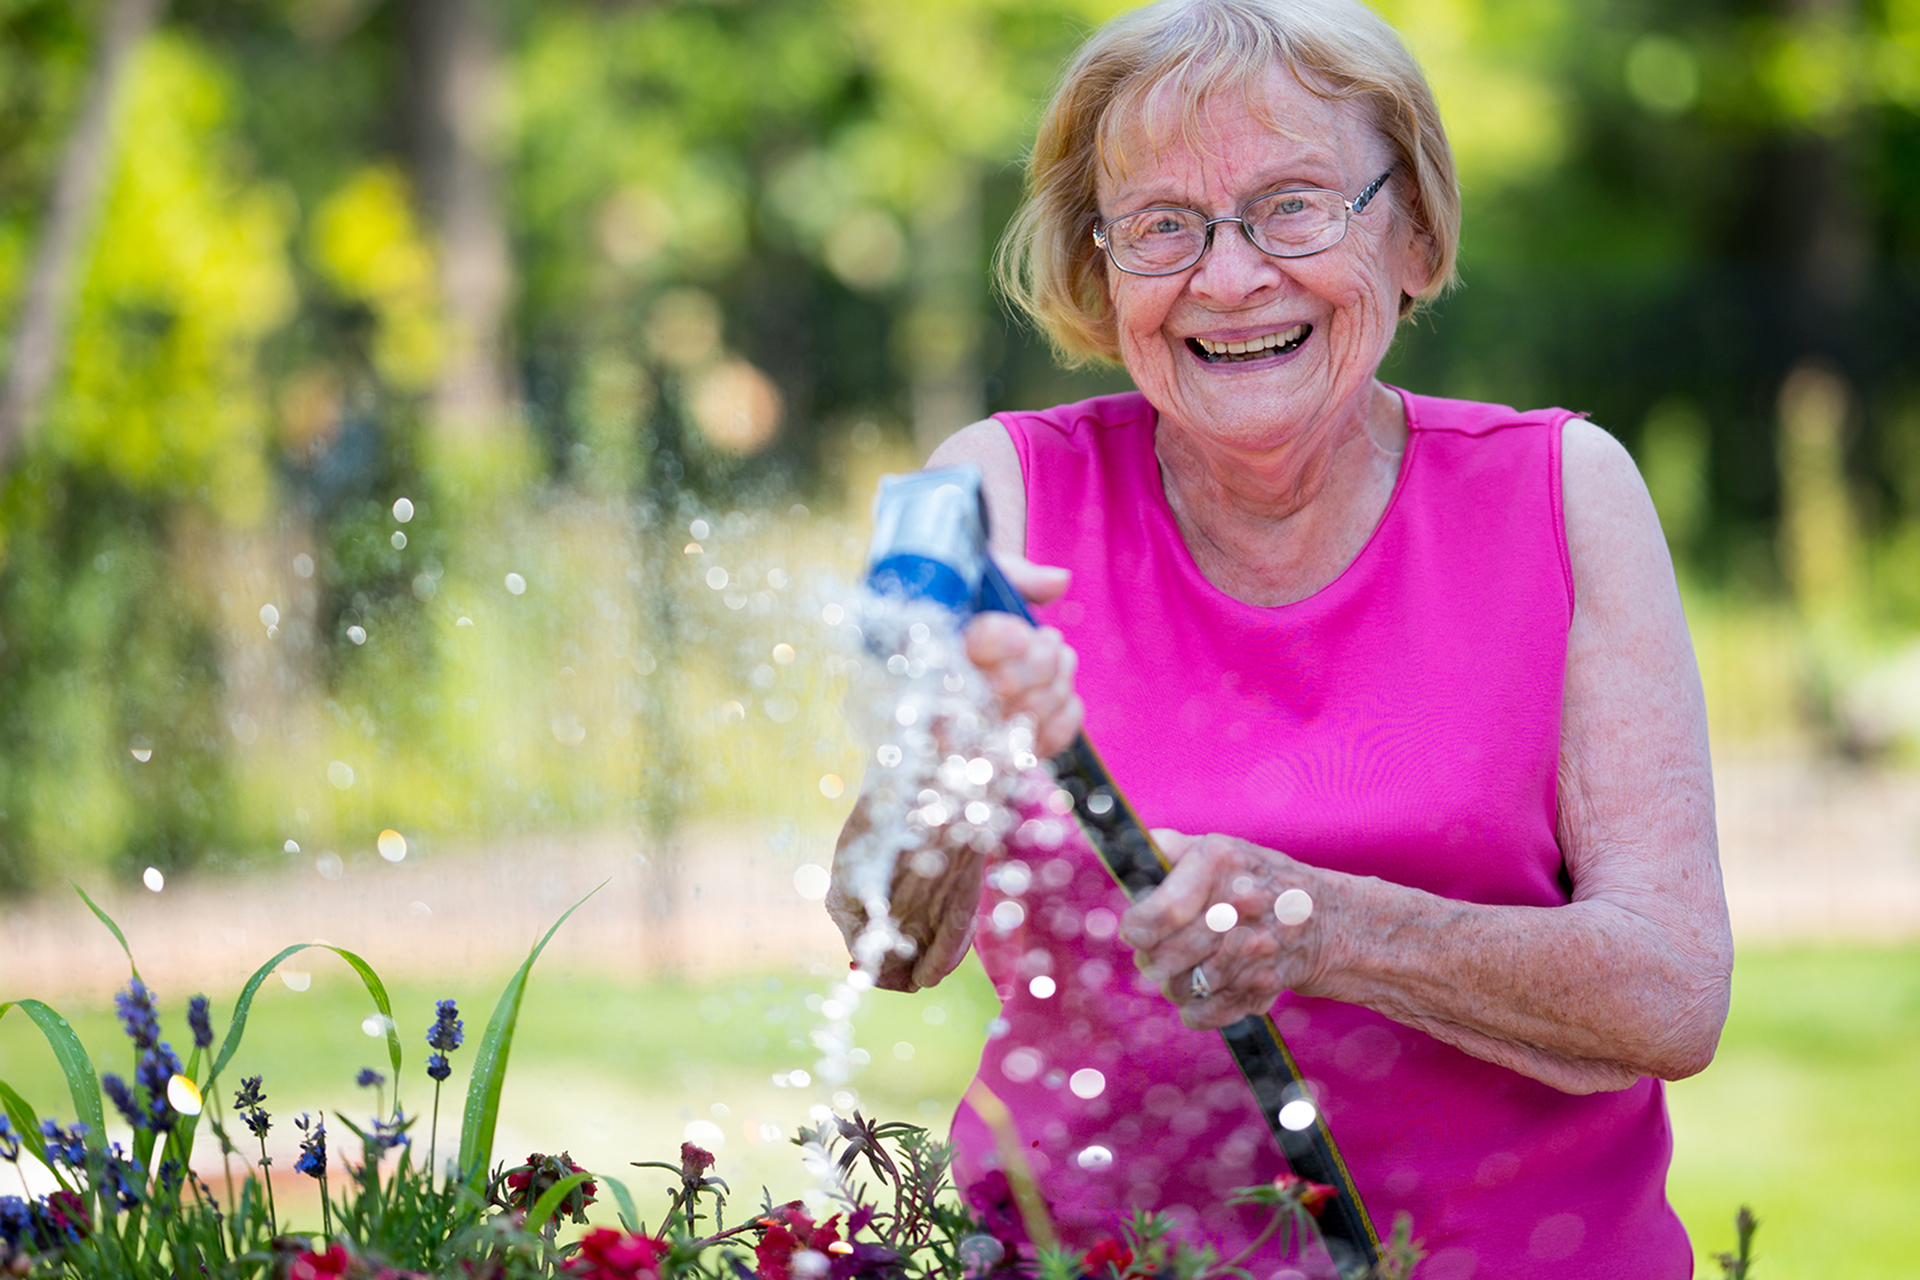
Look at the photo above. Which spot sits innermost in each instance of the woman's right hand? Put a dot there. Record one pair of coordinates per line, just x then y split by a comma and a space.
1029, 669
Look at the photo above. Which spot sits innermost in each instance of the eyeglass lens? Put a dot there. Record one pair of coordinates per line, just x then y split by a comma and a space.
1286, 224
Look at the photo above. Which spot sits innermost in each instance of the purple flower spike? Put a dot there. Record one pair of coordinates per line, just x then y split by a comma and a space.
200, 1019
135, 1006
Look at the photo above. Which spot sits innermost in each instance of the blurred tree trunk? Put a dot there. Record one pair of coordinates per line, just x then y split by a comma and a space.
42, 326
454, 59
946, 317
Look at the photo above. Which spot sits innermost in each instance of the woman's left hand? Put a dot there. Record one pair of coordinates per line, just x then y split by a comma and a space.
1215, 911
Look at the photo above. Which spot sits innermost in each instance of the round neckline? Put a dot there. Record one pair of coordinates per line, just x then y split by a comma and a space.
1191, 567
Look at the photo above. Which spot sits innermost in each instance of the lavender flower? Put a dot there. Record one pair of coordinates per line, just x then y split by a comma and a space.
9, 1142
447, 1032
313, 1147
200, 1019
246, 1100
123, 1099
16, 1220
135, 1006
66, 1146
369, 1078
157, 1066
438, 1067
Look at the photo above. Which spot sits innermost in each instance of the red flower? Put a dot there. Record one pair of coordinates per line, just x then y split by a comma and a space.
694, 1161
1312, 1196
531, 1180
789, 1231
67, 1212
312, 1266
606, 1254
1108, 1253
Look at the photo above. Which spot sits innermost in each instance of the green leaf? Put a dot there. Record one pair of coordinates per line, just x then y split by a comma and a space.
107, 920
482, 1114
629, 1219
82, 1082
25, 1120
368, 979
549, 1202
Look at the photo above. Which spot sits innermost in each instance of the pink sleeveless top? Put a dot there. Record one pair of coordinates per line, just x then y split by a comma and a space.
1403, 722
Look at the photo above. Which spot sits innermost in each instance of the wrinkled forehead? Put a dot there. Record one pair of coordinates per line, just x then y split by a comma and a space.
1180, 108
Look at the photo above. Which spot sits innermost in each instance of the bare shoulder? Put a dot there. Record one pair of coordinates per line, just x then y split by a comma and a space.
987, 445
1617, 552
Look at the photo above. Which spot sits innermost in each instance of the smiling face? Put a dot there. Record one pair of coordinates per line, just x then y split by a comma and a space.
1244, 351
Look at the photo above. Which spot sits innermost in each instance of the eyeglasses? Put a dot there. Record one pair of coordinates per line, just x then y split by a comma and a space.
1296, 223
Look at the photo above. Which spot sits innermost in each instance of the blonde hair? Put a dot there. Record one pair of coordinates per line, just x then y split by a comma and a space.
1048, 265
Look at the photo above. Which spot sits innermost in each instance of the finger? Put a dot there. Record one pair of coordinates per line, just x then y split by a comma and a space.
993, 638
1179, 901
1174, 845
1039, 583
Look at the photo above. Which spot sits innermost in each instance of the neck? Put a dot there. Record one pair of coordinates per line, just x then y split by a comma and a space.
1275, 523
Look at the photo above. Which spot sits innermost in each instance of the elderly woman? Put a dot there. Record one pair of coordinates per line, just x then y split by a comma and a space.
1421, 659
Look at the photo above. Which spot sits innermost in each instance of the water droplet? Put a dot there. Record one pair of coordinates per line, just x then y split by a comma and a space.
399, 540
465, 621
392, 845
291, 846
981, 1254
1021, 1065
906, 715
329, 866
340, 774
296, 980
704, 1133
403, 509
919, 633
979, 812
888, 755
1222, 916
153, 879
799, 1079
1060, 802
1298, 1114
783, 654
897, 665
812, 881
375, 1025
303, 565
419, 909
1087, 1083
903, 1051
700, 529
1099, 803
1101, 924
269, 616
516, 585
357, 633
979, 771
831, 786
1008, 916
1294, 906
933, 1015
1042, 987
183, 1096
142, 754
1014, 878
1094, 1159
716, 577
568, 731
1242, 886
833, 615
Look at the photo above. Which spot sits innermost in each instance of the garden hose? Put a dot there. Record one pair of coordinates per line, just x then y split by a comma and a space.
930, 543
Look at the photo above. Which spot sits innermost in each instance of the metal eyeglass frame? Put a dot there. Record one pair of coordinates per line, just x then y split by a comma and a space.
1354, 206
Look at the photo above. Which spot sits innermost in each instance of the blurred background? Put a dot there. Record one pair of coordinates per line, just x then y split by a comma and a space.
456, 418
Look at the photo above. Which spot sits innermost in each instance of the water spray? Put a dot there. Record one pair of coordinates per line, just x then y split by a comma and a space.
930, 546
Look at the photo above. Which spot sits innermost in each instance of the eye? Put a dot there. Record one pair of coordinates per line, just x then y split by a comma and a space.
1160, 222
1285, 205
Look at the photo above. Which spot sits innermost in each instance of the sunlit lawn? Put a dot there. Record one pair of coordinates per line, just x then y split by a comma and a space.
1809, 1114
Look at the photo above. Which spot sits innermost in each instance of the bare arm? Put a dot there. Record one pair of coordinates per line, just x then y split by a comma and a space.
1632, 977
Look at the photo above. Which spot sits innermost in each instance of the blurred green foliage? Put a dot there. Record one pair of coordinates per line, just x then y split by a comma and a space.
730, 249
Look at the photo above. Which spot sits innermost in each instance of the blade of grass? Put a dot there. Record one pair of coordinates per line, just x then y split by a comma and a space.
75, 1065
113, 928
482, 1113
624, 1198
549, 1201
244, 1004
27, 1122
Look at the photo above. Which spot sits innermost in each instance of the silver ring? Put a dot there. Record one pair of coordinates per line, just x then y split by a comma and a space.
1198, 987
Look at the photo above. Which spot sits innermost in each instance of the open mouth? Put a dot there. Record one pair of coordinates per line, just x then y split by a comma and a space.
1271, 344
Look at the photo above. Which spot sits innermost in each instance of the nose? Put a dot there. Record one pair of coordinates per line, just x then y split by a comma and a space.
1232, 269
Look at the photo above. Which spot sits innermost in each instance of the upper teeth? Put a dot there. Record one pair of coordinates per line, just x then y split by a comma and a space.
1262, 343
